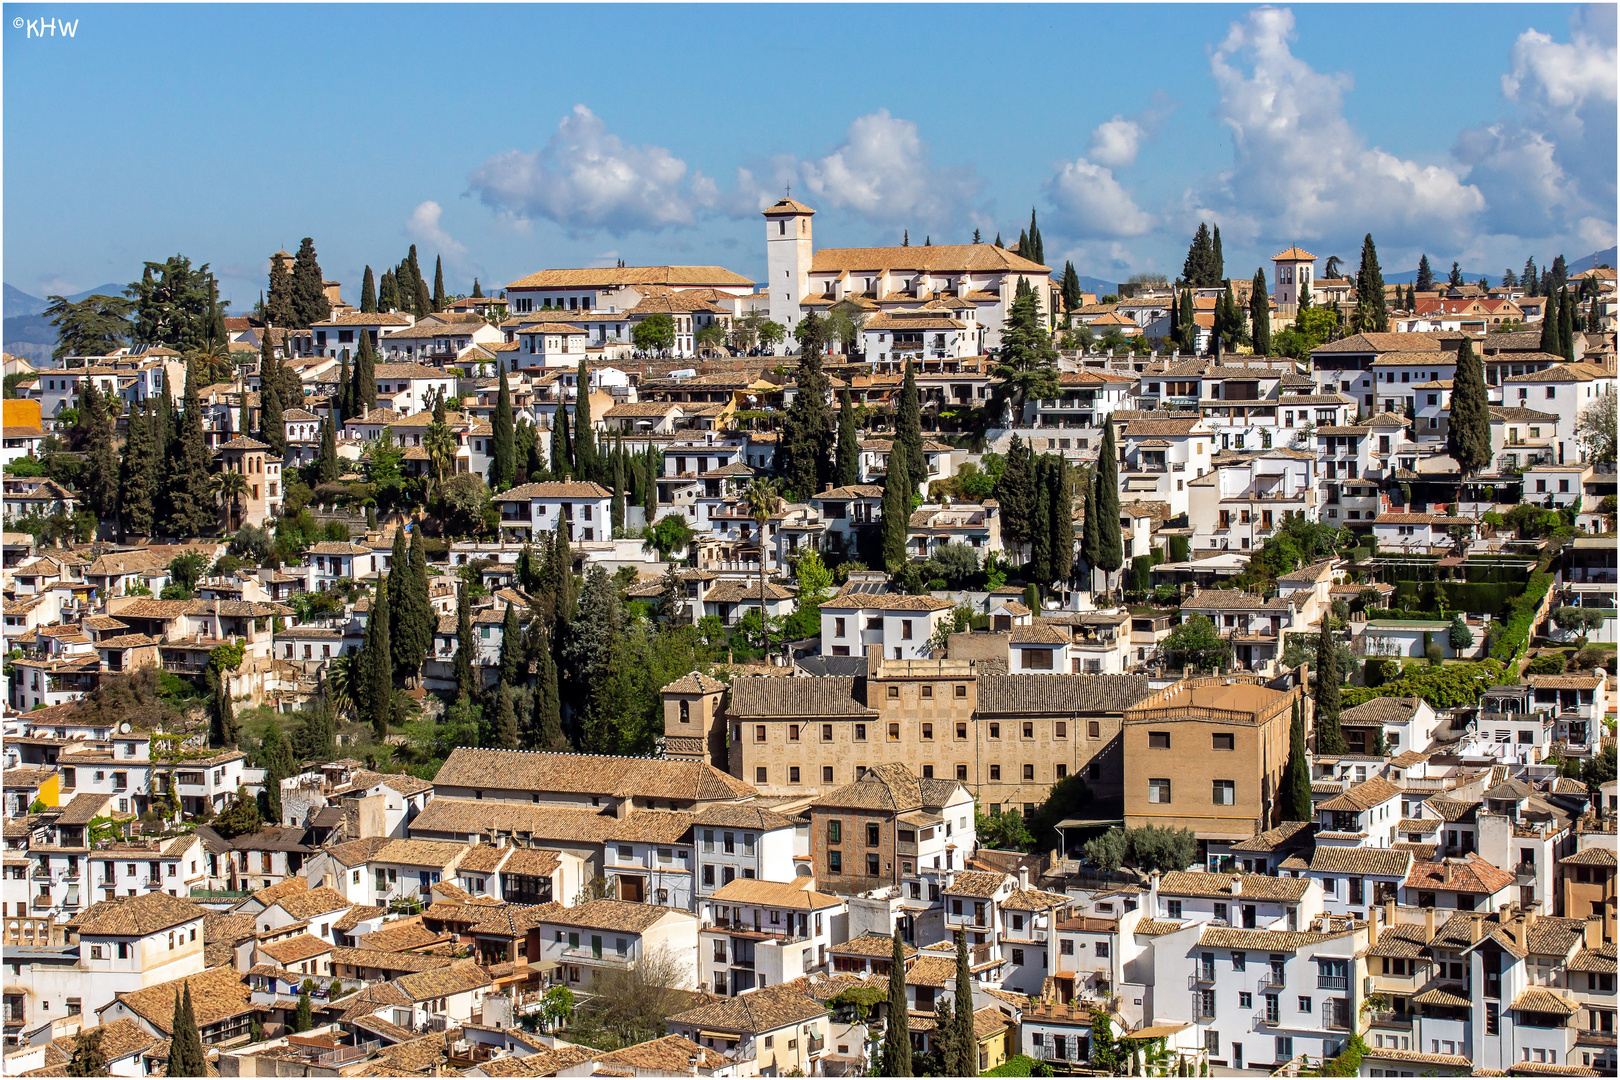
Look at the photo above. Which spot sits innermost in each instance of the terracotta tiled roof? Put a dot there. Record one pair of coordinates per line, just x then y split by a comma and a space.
755, 1012
1261, 886
1363, 796
1226, 937
611, 915
775, 698
1470, 875
1378, 862
135, 916
1060, 694
777, 894
588, 774
216, 994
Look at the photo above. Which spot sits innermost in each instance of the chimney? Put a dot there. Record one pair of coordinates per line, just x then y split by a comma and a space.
1594, 931
1372, 926
1237, 884
827, 486
1428, 924
1389, 912
1529, 918
1023, 877
1153, 895
1476, 926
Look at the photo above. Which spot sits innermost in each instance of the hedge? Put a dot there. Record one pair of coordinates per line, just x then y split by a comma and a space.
1474, 597
1521, 615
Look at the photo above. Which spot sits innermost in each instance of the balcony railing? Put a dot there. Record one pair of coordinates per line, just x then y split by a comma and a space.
1390, 1019
1331, 982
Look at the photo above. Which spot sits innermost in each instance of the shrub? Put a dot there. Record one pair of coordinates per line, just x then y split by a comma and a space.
1435, 653
1546, 664
1461, 637
1521, 613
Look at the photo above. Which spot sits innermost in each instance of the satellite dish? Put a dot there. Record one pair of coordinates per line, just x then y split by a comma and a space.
123, 729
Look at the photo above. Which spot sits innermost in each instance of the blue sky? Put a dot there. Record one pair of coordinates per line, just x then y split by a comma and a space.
511, 138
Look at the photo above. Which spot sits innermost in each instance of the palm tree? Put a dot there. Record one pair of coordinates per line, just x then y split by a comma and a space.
231, 487
335, 683
440, 445
762, 497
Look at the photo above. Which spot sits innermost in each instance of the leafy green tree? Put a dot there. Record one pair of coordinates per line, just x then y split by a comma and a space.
303, 1015
1329, 736
847, 460
1197, 642
1595, 428
1107, 852
503, 462
174, 305
1294, 792
654, 334
1003, 831
1110, 540
241, 817
94, 326
895, 1058
368, 292
1027, 363
1458, 634
1162, 849
309, 301
896, 510
908, 425
1468, 440
669, 534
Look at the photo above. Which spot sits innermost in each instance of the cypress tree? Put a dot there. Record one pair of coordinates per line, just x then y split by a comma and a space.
477, 293
1550, 343
422, 621
503, 462
273, 426
1372, 313
586, 465
377, 667
225, 729
847, 460
438, 283
908, 427
1199, 270
100, 484
244, 414
802, 457
364, 381
1295, 790
650, 487
309, 302
1175, 316
278, 307
896, 522
1037, 248
1260, 314
513, 668
326, 465
506, 726
1217, 261
896, 1055
1189, 324
1040, 525
1088, 534
616, 507
562, 457
1062, 521
548, 702
964, 1042
466, 648
1071, 288
304, 1015
1425, 275
388, 292
189, 491
1560, 273
1329, 736
277, 759
422, 303
1531, 277
1110, 544
368, 292
138, 474
343, 406
1468, 440
397, 583
1015, 491
1566, 326
185, 1049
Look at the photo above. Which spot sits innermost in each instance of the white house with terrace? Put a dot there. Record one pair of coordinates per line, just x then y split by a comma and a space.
900, 625
339, 337
579, 510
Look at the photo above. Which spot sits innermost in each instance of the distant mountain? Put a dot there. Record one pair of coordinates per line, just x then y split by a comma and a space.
27, 333
18, 302
1095, 285
1441, 274
1608, 257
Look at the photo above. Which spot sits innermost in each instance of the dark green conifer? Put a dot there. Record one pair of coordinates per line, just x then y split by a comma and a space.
439, 299
1468, 439
368, 292
847, 461
1329, 736
897, 490
586, 465
1260, 314
1110, 542
309, 301
503, 461
908, 427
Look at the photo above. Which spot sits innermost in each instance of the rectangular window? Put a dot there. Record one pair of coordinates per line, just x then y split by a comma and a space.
759, 732
1224, 740
1159, 791
873, 835
894, 732
1060, 730
1029, 730
1225, 793
928, 732
826, 733
860, 732
793, 733
995, 773
793, 774
835, 832
826, 774
995, 731
1093, 729
759, 774
1029, 773
1158, 740
961, 731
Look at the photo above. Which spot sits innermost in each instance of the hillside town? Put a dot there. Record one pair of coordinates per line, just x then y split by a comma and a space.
910, 664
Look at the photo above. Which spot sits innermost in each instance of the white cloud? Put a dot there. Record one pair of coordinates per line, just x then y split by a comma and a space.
1300, 170
1091, 202
883, 170
585, 177
423, 227
1115, 142
1556, 78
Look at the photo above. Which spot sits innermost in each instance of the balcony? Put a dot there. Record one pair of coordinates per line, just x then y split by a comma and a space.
1202, 978
42, 900
1266, 1020
1272, 980
817, 1044
1390, 1019
1331, 982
